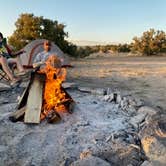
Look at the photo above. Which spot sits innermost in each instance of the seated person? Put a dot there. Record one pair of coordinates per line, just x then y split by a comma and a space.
6, 56
42, 57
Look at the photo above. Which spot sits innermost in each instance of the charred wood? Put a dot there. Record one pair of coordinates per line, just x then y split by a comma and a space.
17, 115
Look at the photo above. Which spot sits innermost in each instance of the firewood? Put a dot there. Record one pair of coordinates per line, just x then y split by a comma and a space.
71, 107
23, 99
17, 115
95, 91
69, 104
69, 85
67, 94
53, 117
35, 98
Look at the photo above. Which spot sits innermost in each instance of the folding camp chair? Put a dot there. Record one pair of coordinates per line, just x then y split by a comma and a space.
3, 75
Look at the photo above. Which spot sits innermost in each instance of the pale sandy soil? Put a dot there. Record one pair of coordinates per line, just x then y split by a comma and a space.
98, 127
143, 77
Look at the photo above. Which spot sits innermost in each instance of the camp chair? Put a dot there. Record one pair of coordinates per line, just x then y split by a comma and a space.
3, 75
32, 49
12, 66
27, 63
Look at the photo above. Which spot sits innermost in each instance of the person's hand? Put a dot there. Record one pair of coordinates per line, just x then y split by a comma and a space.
35, 65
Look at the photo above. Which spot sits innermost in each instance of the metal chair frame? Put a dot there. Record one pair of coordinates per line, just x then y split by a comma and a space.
3, 75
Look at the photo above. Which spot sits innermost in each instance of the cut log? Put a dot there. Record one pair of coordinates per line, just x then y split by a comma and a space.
69, 85
34, 102
71, 107
17, 115
95, 91
66, 93
53, 117
23, 100
70, 104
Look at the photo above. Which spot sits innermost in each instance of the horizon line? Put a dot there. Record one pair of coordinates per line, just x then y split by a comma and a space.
93, 42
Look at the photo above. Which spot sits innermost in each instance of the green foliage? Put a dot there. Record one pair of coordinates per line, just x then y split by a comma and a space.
113, 48
71, 49
123, 48
27, 29
150, 43
30, 27
82, 52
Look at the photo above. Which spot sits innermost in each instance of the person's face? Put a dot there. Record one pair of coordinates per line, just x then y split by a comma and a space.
47, 46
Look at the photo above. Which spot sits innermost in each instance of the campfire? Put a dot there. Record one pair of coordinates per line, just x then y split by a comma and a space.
44, 97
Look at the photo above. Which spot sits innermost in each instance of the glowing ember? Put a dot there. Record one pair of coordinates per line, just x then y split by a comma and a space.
54, 97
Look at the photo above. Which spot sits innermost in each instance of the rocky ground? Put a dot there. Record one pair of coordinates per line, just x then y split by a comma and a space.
111, 124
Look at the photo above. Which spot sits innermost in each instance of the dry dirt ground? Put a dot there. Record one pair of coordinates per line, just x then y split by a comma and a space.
143, 77
100, 131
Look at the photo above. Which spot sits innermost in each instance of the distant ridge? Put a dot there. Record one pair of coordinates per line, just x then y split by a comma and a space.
89, 43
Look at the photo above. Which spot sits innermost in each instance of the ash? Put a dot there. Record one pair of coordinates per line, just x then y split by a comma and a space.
102, 130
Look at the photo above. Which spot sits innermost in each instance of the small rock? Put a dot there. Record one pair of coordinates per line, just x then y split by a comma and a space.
94, 141
108, 91
123, 104
139, 102
154, 149
90, 161
85, 154
131, 110
131, 101
98, 91
118, 98
146, 163
108, 138
153, 140
146, 110
83, 123
109, 97
136, 120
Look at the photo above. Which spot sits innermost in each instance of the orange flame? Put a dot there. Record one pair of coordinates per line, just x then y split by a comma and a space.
54, 97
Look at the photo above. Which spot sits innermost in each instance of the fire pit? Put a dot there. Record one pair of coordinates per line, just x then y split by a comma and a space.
44, 97
107, 127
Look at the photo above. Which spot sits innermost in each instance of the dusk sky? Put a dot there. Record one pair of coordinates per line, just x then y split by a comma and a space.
91, 20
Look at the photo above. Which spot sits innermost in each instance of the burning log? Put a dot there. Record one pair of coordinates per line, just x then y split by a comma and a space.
53, 117
70, 104
55, 96
44, 97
